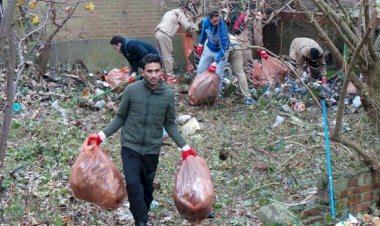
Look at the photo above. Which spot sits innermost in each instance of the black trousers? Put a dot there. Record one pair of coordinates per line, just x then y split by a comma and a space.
139, 172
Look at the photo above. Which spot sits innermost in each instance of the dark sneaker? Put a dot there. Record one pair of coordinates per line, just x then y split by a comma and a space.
248, 101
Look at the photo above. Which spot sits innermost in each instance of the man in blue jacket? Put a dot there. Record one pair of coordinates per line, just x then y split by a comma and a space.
133, 50
214, 55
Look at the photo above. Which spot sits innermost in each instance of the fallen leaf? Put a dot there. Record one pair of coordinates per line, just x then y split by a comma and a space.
89, 6
36, 19
20, 2
32, 4
261, 166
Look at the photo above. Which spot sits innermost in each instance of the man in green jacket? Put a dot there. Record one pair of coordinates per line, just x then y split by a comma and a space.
146, 107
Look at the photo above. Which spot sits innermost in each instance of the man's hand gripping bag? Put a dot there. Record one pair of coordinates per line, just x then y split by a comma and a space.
94, 178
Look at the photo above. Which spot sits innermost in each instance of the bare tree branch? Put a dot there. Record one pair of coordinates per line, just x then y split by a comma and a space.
344, 11
377, 43
277, 12
337, 27
368, 159
351, 36
343, 92
334, 50
371, 24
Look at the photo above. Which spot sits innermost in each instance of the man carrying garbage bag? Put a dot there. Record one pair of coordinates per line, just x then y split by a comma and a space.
214, 55
146, 107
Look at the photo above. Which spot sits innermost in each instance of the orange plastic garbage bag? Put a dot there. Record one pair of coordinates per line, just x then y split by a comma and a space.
268, 72
94, 178
188, 46
204, 88
193, 190
117, 75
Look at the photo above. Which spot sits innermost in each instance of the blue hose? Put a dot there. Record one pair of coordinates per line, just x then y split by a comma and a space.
331, 188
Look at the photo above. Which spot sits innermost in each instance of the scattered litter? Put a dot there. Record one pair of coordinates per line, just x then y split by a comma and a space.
296, 121
349, 220
100, 104
124, 214
253, 92
279, 121
190, 127
16, 107
98, 91
182, 119
154, 204
166, 219
299, 106
345, 126
61, 110
286, 108
356, 102
105, 84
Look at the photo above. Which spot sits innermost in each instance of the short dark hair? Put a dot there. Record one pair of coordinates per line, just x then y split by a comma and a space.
252, 6
116, 39
213, 13
314, 53
151, 58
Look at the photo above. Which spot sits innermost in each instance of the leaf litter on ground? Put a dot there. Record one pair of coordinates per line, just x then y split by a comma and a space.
260, 163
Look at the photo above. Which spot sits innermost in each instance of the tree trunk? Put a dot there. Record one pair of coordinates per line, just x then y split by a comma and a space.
42, 60
373, 108
7, 31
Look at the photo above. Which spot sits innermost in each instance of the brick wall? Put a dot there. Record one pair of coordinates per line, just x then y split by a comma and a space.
352, 194
135, 18
357, 194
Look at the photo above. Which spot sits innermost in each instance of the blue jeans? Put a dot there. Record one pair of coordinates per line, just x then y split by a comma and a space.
207, 58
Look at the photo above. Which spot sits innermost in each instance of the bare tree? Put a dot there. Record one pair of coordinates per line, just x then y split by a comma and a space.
26, 40
362, 45
7, 35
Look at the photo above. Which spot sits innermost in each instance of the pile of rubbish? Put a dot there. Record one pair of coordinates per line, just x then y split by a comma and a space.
271, 79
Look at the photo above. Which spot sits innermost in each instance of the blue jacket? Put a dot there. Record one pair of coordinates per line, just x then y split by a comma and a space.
134, 51
217, 37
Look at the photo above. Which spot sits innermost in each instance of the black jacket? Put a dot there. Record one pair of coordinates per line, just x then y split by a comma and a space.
134, 51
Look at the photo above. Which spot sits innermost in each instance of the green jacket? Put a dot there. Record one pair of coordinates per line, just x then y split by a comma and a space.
142, 115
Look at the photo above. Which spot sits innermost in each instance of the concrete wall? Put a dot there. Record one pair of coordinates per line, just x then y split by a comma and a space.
98, 54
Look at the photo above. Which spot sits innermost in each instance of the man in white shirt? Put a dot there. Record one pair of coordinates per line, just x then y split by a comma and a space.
170, 24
